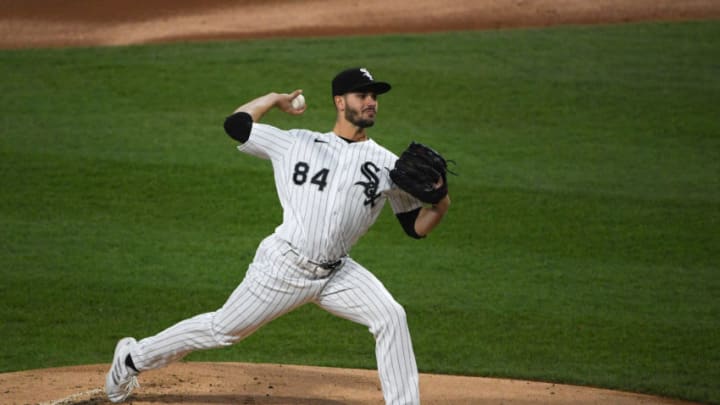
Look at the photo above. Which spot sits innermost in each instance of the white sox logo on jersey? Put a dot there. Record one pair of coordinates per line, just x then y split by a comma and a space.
369, 170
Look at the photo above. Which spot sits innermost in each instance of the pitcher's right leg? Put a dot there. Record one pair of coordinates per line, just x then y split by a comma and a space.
271, 288
255, 302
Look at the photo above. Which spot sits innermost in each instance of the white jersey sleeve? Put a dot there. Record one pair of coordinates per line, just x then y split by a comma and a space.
267, 142
401, 201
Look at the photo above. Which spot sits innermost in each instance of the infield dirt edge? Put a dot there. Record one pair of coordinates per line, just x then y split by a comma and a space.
250, 383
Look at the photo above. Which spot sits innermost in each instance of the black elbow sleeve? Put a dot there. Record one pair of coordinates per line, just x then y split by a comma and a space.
407, 220
238, 126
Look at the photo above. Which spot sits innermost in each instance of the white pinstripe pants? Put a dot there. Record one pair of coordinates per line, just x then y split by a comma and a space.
275, 285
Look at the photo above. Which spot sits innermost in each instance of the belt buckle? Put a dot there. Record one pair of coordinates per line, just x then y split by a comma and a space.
322, 270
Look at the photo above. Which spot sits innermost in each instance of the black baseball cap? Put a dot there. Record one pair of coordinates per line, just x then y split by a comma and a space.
357, 79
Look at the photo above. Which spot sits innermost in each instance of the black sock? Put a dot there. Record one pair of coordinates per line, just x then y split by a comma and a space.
129, 363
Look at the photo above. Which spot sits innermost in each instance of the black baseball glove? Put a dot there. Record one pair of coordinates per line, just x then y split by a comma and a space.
422, 172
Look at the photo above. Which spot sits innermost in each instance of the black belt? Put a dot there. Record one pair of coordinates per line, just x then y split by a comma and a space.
331, 265
319, 270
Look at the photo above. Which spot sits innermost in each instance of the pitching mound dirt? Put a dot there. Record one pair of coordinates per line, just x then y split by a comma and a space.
60, 23
242, 383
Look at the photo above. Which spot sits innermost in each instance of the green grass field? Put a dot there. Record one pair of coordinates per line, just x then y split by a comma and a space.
582, 245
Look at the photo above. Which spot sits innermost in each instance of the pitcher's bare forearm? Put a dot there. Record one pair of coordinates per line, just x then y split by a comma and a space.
258, 107
429, 217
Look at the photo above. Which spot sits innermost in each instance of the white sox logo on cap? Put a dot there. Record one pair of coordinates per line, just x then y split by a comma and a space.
366, 73
357, 79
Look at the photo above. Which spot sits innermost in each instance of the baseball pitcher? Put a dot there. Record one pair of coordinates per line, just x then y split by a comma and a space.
332, 187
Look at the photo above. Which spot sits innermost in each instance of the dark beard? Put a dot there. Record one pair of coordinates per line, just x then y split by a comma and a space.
353, 117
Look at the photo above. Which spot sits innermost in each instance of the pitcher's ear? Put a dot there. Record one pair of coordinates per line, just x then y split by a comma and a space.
339, 102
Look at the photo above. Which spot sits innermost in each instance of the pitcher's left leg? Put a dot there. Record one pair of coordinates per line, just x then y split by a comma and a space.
356, 294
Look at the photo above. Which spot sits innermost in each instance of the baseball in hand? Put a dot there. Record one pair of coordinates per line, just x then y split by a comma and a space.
298, 102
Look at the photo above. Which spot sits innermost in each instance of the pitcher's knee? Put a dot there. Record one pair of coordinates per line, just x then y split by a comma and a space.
223, 339
227, 333
398, 313
222, 335
391, 318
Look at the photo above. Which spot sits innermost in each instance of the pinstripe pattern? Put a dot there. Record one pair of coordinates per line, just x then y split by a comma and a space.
324, 225
356, 294
331, 193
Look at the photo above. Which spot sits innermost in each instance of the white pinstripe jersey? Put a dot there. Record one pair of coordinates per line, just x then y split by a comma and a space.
331, 191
